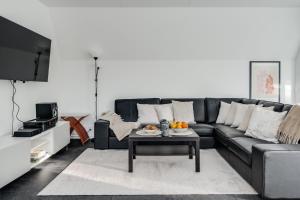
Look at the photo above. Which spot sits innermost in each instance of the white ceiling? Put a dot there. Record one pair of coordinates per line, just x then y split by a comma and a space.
172, 3
178, 33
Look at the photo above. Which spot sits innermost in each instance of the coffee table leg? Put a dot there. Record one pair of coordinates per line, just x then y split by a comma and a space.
130, 156
197, 156
190, 151
134, 151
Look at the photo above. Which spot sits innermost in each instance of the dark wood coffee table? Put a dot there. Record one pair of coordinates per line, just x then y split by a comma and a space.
192, 140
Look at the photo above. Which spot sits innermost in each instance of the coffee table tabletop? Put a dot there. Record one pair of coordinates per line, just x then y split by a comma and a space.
192, 140
136, 137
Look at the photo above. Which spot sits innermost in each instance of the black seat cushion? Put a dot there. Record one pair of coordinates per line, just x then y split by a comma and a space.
205, 130
242, 147
127, 108
228, 131
213, 106
277, 106
198, 105
223, 133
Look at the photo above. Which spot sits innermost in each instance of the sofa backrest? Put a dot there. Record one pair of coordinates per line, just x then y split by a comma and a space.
287, 107
249, 101
206, 110
198, 104
127, 108
213, 106
277, 106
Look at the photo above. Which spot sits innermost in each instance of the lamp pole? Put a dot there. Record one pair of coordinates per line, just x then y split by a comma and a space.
96, 87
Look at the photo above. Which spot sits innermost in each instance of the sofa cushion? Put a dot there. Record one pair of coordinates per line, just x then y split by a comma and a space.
231, 113
203, 129
165, 111
242, 147
241, 114
198, 105
223, 133
184, 111
223, 112
147, 114
277, 106
264, 124
213, 106
127, 108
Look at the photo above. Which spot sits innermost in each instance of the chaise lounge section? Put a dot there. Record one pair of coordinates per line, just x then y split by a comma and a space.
270, 168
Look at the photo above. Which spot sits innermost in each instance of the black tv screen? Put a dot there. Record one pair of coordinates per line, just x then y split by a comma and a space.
24, 54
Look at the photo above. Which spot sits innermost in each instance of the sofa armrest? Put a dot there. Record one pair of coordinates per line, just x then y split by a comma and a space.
275, 170
101, 132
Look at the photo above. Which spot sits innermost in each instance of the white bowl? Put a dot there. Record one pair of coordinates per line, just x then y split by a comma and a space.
144, 133
180, 130
150, 131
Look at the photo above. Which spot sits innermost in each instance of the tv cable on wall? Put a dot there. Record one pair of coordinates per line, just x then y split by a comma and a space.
14, 105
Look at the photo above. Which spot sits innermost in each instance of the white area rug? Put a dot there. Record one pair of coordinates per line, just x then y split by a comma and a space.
97, 172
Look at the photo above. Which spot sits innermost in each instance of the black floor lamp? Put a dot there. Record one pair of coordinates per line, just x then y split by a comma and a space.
96, 87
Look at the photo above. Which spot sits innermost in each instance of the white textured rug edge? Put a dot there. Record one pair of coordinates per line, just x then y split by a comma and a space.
98, 172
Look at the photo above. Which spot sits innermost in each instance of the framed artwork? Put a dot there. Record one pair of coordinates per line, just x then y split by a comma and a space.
265, 80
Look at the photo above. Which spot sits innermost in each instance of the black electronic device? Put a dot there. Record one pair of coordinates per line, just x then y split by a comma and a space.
40, 124
24, 54
27, 132
45, 111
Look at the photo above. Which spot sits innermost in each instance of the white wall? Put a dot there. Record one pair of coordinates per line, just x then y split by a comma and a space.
35, 16
224, 78
170, 52
151, 53
137, 79
297, 79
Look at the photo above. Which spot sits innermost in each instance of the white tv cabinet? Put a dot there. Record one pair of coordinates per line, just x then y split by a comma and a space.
15, 152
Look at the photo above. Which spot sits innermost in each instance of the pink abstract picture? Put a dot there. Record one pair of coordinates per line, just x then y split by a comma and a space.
265, 80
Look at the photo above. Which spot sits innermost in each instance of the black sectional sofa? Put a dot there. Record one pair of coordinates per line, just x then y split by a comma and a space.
272, 169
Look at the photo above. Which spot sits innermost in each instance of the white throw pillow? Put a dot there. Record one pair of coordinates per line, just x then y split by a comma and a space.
264, 124
147, 114
183, 111
224, 109
164, 111
241, 111
246, 119
271, 108
231, 113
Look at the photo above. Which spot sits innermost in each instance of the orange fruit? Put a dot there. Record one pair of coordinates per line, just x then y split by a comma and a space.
185, 125
173, 125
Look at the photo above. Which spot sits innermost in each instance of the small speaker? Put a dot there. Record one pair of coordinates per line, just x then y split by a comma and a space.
46, 111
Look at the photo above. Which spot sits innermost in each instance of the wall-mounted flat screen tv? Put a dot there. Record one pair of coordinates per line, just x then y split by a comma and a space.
24, 54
